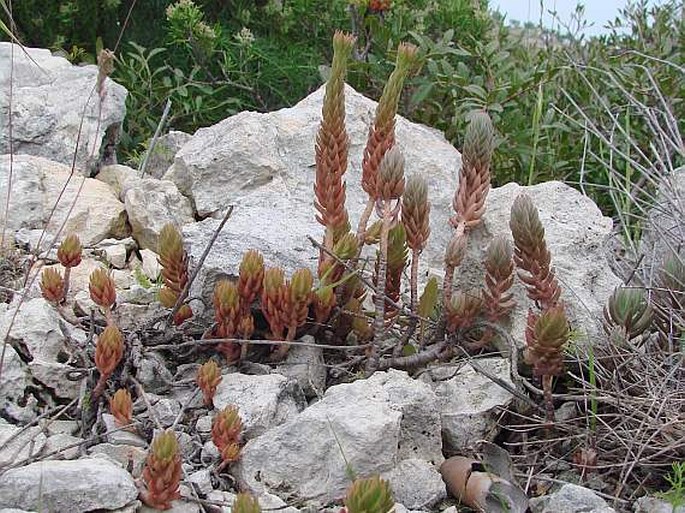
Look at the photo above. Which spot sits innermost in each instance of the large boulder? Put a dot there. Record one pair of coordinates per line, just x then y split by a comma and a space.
37, 183
369, 426
52, 101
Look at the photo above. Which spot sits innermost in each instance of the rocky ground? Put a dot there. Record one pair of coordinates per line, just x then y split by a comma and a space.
306, 423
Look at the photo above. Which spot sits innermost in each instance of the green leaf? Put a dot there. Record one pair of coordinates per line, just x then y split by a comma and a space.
422, 93
476, 90
429, 298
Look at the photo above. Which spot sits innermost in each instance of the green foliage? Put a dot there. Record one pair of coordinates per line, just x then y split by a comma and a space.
676, 479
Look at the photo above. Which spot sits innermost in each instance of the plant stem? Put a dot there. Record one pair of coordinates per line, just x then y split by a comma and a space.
414, 280
67, 273
363, 221
379, 298
549, 402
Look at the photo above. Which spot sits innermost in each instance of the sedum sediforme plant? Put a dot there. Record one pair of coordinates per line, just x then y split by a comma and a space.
69, 255
121, 407
331, 150
250, 281
416, 221
227, 427
162, 472
627, 314
382, 134
103, 292
53, 287
531, 254
370, 495
469, 199
388, 189
108, 353
227, 317
174, 261
547, 330
208, 378
669, 300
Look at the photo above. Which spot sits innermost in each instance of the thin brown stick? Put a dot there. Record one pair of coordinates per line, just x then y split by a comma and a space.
256, 342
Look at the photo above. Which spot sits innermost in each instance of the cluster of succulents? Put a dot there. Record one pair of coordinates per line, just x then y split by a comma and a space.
335, 298
109, 349
263, 302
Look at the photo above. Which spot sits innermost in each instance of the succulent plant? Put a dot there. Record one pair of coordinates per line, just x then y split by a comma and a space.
227, 427
69, 252
52, 286
174, 261
102, 290
324, 301
109, 350
427, 305
208, 378
531, 254
272, 291
382, 134
462, 310
227, 314
227, 305
371, 495
474, 175
162, 472
390, 180
454, 255
546, 336
121, 407
183, 314
293, 306
331, 150
246, 326
499, 277
669, 299
415, 218
346, 247
245, 503
396, 263
172, 258
167, 297
628, 308
108, 353
387, 190
250, 278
